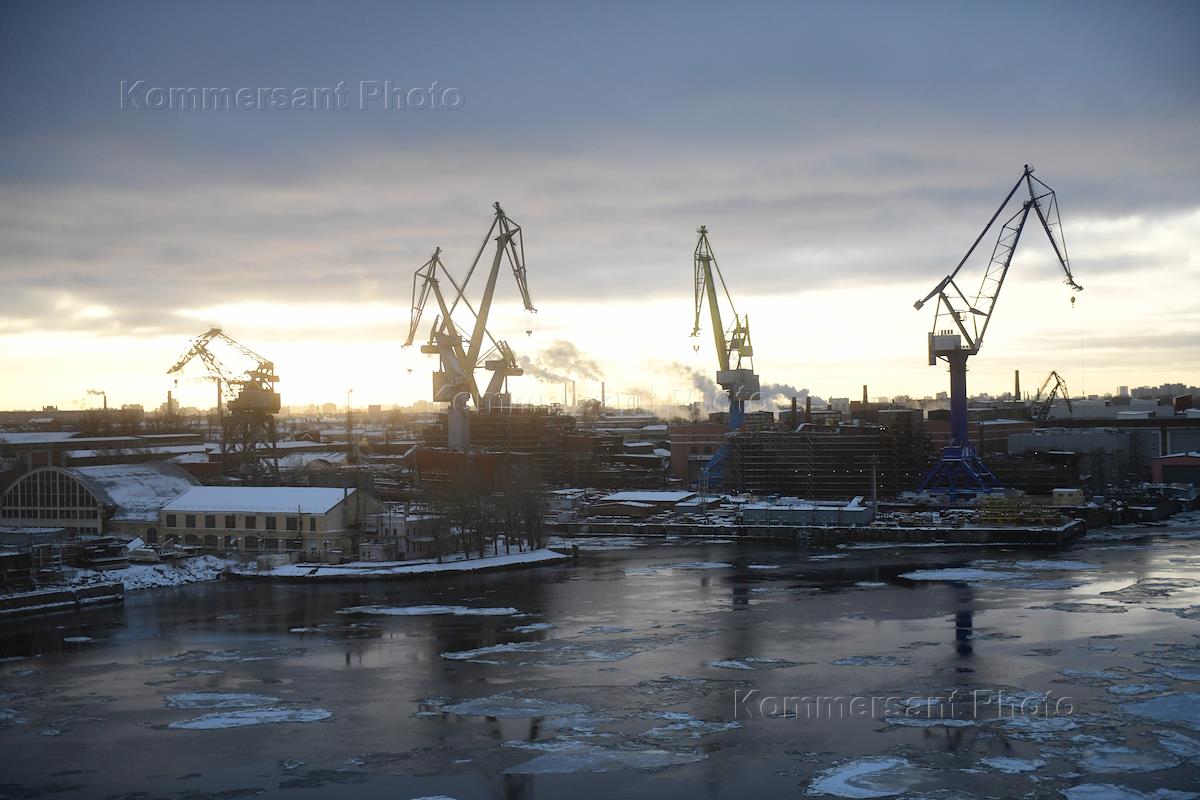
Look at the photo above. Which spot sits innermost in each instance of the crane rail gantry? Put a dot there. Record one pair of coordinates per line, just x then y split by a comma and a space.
960, 323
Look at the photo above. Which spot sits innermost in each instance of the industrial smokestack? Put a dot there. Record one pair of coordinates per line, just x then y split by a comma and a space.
602, 397
808, 408
795, 413
864, 394
1017, 384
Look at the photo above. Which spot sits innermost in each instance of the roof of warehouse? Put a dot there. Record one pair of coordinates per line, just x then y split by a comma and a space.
647, 497
137, 490
281, 499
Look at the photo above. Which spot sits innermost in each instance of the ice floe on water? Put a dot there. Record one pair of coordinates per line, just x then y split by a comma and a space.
1130, 689
78, 639
762, 566
866, 778
1152, 589
685, 725
1178, 744
871, 661
1180, 673
425, 611
256, 716
1182, 709
685, 565
1013, 766
1080, 607
752, 662
587, 757
1117, 758
532, 627
1056, 564
218, 700
1187, 612
969, 574
1108, 791
598, 629
1037, 728
586, 647
869, 584
928, 722
509, 706
228, 656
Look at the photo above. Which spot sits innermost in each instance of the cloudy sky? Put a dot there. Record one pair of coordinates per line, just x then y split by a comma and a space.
843, 157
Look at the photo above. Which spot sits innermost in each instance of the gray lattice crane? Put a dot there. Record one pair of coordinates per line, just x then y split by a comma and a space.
248, 429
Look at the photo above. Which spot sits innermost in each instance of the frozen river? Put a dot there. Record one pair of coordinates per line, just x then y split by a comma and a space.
666, 669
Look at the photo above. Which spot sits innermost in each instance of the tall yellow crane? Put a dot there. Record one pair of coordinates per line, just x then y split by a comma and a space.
735, 353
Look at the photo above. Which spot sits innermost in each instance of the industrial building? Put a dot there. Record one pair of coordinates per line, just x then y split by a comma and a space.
118, 499
314, 521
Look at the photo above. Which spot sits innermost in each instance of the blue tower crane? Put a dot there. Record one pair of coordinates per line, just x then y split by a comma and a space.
960, 323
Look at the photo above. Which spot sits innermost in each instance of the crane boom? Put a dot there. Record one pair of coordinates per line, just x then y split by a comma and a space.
960, 323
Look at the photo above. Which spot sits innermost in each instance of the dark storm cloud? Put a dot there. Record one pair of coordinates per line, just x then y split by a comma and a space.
823, 146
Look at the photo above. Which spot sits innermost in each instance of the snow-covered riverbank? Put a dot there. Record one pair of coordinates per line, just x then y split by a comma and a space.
151, 576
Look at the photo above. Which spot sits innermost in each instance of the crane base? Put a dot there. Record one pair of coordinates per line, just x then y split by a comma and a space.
959, 471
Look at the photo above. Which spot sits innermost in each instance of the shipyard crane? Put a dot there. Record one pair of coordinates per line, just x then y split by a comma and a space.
735, 353
960, 323
248, 430
1040, 408
464, 348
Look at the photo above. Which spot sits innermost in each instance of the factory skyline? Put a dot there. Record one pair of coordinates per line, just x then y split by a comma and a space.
835, 199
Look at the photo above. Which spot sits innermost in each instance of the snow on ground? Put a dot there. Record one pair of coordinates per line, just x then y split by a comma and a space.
425, 611
152, 576
369, 569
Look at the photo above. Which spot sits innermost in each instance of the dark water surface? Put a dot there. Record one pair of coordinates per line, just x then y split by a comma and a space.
631, 692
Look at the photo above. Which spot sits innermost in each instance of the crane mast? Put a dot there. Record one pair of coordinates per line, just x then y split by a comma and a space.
1043, 400
960, 323
735, 353
463, 349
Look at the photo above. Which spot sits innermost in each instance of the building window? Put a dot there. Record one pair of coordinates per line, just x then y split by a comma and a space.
189, 521
251, 522
292, 524
271, 524
230, 521
271, 544
152, 536
210, 520
231, 541
251, 542
171, 521
190, 539
210, 541
295, 544
312, 523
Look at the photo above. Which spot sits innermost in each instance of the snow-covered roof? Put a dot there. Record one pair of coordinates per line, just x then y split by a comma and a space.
137, 490
300, 460
647, 497
13, 437
280, 499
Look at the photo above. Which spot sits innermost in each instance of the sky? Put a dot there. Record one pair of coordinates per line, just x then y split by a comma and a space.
843, 157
